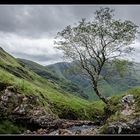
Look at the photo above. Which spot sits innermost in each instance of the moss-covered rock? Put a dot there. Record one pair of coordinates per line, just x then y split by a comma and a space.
125, 115
24, 109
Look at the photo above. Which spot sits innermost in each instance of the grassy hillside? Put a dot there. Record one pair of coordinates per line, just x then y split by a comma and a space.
63, 83
74, 82
29, 79
50, 95
111, 86
60, 100
7, 59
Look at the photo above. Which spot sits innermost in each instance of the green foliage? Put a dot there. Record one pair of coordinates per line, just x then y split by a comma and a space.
103, 129
8, 127
78, 111
24, 86
76, 84
59, 102
62, 104
111, 85
7, 59
6, 77
94, 43
121, 66
117, 117
61, 83
113, 105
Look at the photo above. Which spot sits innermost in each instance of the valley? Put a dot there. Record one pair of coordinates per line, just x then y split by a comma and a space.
51, 100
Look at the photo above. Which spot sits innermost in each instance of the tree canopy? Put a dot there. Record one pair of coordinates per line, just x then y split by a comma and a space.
94, 43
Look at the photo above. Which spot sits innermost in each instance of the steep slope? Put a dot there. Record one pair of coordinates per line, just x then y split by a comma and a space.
7, 59
10, 64
62, 74
111, 86
28, 101
39, 69
65, 84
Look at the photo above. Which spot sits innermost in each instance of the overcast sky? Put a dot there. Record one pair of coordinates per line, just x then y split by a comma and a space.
28, 31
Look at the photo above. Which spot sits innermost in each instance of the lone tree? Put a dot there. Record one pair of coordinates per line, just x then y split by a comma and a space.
97, 42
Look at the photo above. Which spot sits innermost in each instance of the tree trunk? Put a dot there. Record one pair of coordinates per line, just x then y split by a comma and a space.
100, 96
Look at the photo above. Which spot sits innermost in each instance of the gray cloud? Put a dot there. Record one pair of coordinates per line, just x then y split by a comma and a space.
47, 20
37, 21
24, 28
42, 59
39, 50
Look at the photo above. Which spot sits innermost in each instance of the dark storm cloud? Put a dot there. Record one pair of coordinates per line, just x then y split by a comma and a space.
24, 28
39, 20
47, 20
35, 21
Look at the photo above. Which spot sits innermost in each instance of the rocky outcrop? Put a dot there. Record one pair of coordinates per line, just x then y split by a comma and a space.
128, 99
128, 105
24, 109
118, 128
127, 122
131, 127
91, 131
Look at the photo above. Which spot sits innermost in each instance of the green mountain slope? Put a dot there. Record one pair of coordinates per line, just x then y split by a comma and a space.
17, 81
64, 84
111, 86
30, 101
62, 74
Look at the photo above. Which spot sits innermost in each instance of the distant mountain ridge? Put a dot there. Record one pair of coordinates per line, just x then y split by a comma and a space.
34, 98
111, 86
61, 73
53, 77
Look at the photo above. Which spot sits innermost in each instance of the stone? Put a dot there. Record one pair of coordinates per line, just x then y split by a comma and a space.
128, 99
34, 132
89, 132
119, 128
136, 124
111, 129
54, 133
23, 108
78, 132
128, 105
28, 132
41, 131
64, 132
24, 99
127, 111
